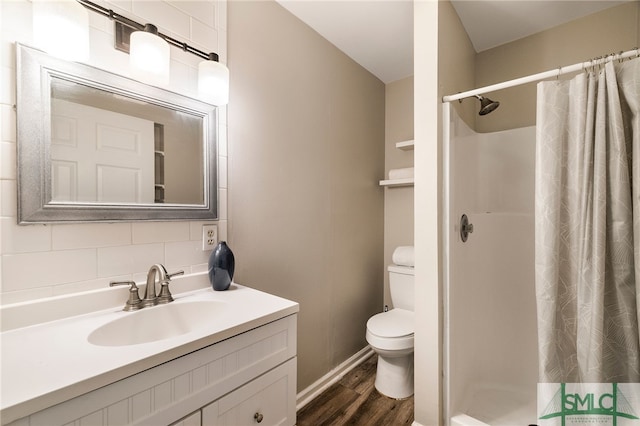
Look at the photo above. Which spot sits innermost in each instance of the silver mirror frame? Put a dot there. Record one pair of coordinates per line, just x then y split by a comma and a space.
34, 71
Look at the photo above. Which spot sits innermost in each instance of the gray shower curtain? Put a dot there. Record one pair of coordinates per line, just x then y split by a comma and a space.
588, 226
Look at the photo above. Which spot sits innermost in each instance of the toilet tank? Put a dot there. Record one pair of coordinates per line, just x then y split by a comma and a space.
401, 286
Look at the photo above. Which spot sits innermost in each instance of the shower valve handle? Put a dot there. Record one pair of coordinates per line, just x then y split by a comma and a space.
466, 228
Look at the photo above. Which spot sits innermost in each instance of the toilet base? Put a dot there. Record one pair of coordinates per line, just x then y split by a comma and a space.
394, 376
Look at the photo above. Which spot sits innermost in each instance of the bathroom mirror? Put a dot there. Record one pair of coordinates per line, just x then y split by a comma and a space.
96, 146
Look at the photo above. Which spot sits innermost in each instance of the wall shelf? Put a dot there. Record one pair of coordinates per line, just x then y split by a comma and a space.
397, 182
391, 183
405, 145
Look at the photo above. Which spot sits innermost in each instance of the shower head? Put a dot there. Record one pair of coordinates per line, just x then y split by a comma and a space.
486, 105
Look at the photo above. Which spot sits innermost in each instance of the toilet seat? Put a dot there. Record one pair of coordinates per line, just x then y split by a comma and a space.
393, 323
392, 330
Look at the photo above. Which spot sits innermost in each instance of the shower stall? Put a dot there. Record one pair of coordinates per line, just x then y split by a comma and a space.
566, 222
491, 359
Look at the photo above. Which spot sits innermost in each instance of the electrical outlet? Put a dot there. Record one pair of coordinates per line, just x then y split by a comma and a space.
209, 237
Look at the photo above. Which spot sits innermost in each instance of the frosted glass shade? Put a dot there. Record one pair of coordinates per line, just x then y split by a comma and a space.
149, 58
213, 82
61, 28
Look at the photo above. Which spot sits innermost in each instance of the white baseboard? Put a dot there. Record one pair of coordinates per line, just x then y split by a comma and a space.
323, 383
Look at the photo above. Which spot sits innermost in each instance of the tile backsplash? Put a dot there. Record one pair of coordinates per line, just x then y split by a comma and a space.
40, 261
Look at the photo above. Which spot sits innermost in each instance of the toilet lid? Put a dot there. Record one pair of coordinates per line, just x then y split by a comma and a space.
394, 323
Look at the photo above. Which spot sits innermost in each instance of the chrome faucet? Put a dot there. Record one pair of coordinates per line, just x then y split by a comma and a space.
150, 298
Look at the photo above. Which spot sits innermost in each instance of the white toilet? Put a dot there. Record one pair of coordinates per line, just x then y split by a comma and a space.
390, 334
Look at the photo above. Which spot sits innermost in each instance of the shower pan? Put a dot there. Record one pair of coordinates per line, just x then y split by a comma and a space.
490, 312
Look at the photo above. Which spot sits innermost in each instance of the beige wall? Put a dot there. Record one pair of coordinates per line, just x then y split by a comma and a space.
456, 61
611, 30
398, 201
306, 151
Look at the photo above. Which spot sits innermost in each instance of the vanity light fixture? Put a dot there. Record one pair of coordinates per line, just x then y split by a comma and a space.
213, 81
61, 28
213, 77
149, 56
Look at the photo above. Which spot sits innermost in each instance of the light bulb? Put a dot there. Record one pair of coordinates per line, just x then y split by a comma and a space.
61, 28
213, 82
149, 56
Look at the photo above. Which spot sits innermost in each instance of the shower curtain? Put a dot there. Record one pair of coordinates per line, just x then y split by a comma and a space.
588, 226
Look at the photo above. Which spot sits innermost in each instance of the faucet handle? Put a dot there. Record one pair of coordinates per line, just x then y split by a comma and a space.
169, 276
133, 303
165, 294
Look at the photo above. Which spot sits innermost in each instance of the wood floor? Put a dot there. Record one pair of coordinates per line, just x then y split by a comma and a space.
355, 401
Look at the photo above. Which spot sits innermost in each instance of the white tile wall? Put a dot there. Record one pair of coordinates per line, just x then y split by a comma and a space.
7, 126
128, 259
24, 239
7, 160
150, 232
45, 260
204, 12
77, 236
8, 198
202, 34
165, 16
47, 268
182, 253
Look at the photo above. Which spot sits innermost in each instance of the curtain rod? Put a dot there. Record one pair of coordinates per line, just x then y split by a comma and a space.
543, 75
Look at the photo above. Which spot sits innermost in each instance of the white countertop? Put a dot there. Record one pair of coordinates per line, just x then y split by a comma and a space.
45, 364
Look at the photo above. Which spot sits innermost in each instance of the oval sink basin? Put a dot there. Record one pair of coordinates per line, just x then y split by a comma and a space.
157, 323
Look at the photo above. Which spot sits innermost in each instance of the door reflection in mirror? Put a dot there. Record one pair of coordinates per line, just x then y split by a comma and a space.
108, 148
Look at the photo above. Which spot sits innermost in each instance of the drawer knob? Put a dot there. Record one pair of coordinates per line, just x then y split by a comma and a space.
258, 417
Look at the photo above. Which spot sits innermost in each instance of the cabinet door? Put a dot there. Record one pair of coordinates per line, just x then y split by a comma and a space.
191, 420
267, 400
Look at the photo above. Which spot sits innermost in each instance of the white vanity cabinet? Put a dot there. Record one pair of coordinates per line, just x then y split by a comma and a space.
262, 401
265, 401
237, 381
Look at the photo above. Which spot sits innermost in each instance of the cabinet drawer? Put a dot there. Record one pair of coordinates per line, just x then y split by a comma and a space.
194, 419
266, 401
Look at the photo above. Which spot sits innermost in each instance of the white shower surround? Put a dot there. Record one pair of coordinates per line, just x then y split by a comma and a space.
490, 331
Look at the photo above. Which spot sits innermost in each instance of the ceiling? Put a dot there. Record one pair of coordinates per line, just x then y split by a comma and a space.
378, 34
